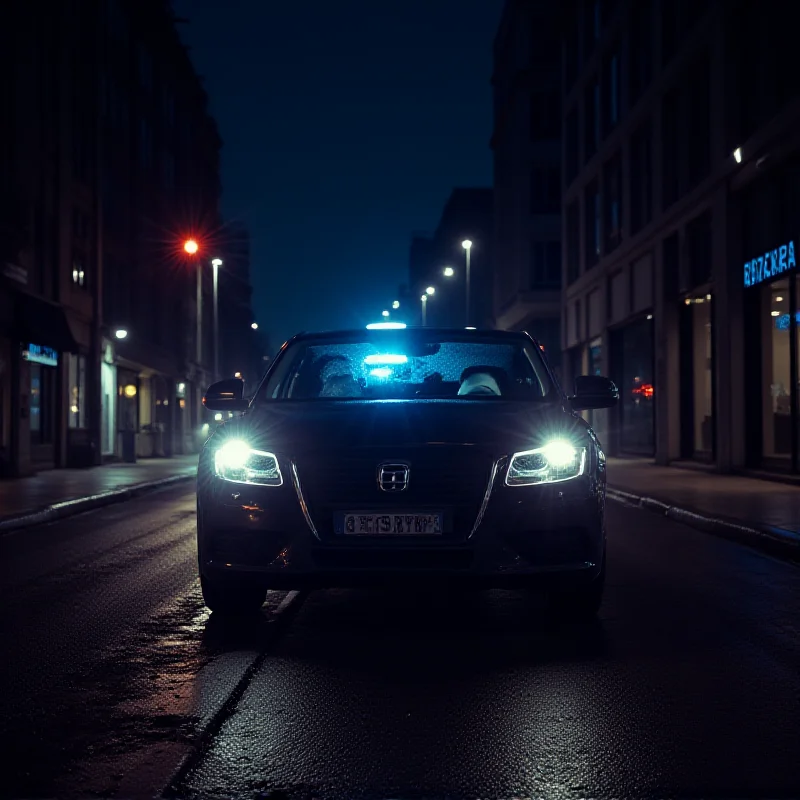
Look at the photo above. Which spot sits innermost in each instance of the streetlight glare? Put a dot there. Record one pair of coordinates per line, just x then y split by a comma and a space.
431, 290
396, 304
121, 333
191, 246
466, 244
216, 262
449, 272
384, 313
254, 326
424, 298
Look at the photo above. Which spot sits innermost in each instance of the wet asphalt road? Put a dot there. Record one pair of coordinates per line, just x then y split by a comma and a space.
115, 675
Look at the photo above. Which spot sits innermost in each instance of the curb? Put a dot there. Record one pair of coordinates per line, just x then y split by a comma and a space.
69, 508
778, 542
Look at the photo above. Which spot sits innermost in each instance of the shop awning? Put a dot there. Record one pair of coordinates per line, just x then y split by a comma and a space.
38, 321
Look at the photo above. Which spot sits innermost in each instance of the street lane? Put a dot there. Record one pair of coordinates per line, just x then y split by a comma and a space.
96, 611
688, 686
112, 668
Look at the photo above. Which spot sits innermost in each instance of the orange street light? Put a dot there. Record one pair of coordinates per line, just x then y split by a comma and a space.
191, 246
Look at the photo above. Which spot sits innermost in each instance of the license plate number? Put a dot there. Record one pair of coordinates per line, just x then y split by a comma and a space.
391, 524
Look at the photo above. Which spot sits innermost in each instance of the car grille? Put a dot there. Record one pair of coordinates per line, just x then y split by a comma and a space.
452, 480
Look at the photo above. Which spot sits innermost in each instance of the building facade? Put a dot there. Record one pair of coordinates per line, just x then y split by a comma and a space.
527, 173
462, 241
109, 157
681, 156
244, 349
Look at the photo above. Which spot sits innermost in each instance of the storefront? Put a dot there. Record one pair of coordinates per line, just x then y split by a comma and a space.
44, 406
771, 233
633, 369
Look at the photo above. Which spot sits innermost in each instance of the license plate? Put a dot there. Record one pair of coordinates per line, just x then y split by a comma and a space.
390, 524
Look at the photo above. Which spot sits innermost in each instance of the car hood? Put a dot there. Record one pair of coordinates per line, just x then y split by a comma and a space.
500, 426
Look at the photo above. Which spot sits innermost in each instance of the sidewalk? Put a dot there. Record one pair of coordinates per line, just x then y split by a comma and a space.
759, 511
61, 492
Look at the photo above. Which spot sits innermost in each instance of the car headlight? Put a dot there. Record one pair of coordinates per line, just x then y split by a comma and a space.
237, 462
555, 462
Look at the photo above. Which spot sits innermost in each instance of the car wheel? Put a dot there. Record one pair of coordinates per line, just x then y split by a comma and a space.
230, 600
581, 603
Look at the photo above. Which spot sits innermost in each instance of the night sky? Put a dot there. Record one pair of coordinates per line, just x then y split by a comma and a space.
345, 126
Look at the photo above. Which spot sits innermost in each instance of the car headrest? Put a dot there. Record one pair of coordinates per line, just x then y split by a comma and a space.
479, 383
341, 386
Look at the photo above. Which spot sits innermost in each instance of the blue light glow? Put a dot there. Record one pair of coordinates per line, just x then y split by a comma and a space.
782, 322
772, 263
388, 358
386, 326
381, 372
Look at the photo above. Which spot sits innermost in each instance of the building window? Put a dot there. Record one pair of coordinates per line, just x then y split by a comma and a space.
699, 113
641, 177
699, 242
545, 49
79, 277
545, 265
671, 143
545, 194
145, 69
145, 143
641, 48
572, 54
611, 92
573, 242
545, 122
593, 223
633, 370
612, 180
77, 391
169, 170
571, 155
592, 129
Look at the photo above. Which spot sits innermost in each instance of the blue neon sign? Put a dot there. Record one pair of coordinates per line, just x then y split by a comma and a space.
772, 263
782, 322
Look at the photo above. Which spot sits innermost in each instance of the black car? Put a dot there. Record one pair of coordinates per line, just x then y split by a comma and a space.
371, 456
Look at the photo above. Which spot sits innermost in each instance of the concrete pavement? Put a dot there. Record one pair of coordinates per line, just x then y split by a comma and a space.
61, 493
759, 513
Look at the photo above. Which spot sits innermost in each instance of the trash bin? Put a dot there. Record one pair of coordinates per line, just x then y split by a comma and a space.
129, 447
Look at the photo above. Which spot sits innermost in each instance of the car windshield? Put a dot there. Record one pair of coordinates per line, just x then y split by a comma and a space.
410, 365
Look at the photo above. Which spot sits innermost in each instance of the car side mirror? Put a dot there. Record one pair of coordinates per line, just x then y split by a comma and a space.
227, 395
593, 392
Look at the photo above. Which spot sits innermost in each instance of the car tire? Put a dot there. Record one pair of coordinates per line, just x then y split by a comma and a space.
234, 601
581, 603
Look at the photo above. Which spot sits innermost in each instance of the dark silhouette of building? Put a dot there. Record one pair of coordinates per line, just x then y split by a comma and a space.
243, 347
440, 261
526, 145
682, 179
109, 160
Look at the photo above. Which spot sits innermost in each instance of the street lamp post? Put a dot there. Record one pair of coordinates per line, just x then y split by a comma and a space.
467, 245
424, 300
216, 264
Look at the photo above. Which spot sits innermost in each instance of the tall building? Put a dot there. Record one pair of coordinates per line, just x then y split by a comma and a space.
242, 336
109, 160
682, 180
526, 145
463, 236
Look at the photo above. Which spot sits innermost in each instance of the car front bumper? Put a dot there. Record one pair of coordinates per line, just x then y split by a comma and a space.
542, 534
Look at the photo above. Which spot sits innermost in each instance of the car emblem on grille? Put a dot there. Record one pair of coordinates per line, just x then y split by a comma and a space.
393, 477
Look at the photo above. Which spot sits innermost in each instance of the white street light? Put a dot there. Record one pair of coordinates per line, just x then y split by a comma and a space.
449, 272
467, 245
384, 313
121, 333
431, 290
216, 263
396, 304
254, 326
424, 300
